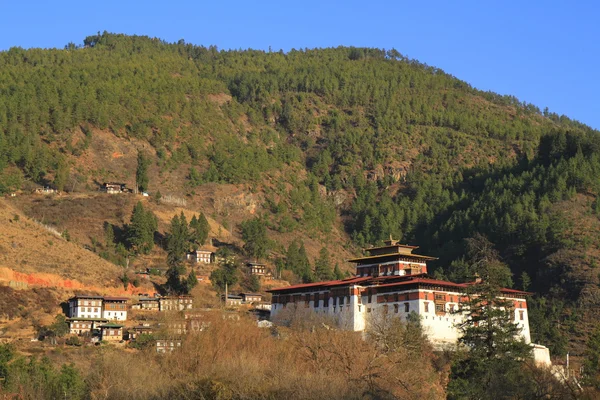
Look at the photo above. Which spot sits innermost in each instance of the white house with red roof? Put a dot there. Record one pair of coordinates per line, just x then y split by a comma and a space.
393, 281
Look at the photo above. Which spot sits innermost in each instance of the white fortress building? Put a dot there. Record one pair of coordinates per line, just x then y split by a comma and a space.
393, 281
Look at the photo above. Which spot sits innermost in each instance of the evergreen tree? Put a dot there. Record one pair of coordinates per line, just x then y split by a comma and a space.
199, 229
109, 237
62, 175
337, 273
141, 229
304, 265
254, 234
226, 274
141, 173
177, 240
492, 368
191, 281
323, 271
177, 246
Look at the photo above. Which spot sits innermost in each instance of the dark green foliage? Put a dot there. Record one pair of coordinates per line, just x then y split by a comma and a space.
226, 274
199, 229
297, 261
141, 173
323, 270
411, 150
254, 234
337, 273
191, 281
40, 379
143, 341
177, 240
141, 229
496, 352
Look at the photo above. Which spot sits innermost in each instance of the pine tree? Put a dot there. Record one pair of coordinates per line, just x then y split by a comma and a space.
199, 229
177, 245
109, 237
62, 175
141, 173
304, 267
177, 240
337, 273
141, 229
496, 351
254, 233
226, 274
323, 271
191, 281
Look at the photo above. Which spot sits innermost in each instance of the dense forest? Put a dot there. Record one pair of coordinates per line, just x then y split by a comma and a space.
364, 138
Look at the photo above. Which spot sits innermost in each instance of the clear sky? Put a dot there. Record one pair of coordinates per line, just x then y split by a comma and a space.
543, 52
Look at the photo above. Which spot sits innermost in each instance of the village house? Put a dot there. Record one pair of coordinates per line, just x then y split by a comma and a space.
255, 268
167, 345
82, 326
88, 312
84, 306
201, 256
149, 303
142, 329
45, 190
175, 303
111, 332
251, 297
232, 300
115, 308
113, 188
392, 281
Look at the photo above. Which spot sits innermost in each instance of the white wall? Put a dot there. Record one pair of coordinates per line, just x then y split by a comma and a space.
441, 329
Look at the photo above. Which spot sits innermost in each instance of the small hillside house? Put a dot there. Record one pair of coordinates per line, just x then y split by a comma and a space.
255, 268
149, 303
82, 326
84, 306
115, 308
175, 303
201, 256
111, 332
251, 297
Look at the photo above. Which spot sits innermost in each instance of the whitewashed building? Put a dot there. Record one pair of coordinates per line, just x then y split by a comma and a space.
392, 281
201, 256
85, 307
115, 308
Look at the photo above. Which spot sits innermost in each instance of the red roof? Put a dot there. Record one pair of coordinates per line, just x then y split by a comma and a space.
396, 280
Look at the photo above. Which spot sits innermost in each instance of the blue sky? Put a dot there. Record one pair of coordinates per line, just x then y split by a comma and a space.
543, 52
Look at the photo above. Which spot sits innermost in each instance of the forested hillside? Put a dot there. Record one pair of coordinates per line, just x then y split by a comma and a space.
363, 141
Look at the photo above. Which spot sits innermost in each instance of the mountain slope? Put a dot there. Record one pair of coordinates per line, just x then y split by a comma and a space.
339, 148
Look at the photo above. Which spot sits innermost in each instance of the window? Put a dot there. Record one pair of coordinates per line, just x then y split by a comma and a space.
451, 308
439, 308
440, 297
341, 300
406, 307
522, 315
368, 309
385, 309
369, 298
359, 308
426, 306
396, 308
426, 296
